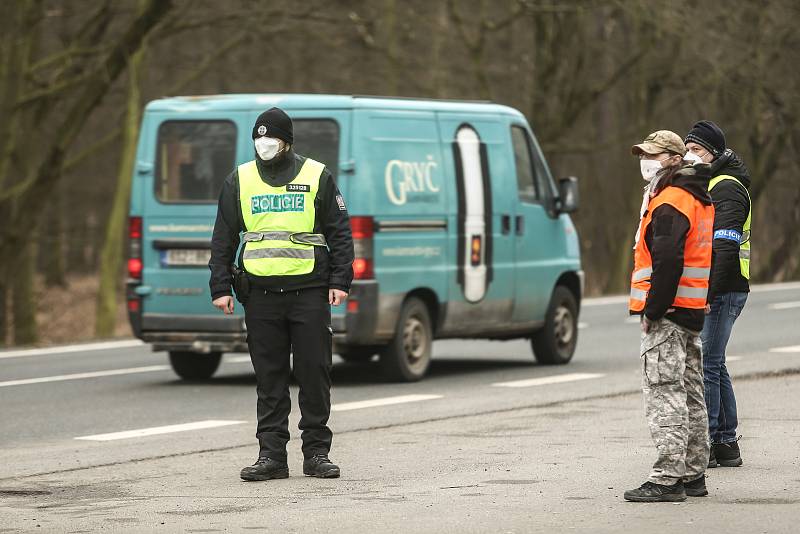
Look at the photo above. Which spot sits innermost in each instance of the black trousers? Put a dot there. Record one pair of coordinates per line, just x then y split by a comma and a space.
298, 322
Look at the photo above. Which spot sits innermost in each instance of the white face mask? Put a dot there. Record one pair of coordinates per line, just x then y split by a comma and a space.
267, 147
692, 158
650, 168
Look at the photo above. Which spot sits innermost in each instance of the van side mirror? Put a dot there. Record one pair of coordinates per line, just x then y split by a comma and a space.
568, 197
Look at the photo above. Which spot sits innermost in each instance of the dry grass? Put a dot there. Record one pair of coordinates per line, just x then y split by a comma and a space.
66, 315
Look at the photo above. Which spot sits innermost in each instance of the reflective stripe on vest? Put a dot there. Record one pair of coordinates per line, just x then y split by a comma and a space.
304, 238
744, 241
273, 216
693, 284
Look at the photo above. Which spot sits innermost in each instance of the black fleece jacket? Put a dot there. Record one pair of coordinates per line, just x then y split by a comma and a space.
666, 239
332, 266
731, 205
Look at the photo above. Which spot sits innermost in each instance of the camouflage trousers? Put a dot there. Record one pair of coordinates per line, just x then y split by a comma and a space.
672, 382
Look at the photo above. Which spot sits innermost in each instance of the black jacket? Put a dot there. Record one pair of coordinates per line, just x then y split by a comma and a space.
332, 266
731, 204
666, 239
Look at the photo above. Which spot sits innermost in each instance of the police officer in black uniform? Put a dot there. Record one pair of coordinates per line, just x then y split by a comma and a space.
296, 261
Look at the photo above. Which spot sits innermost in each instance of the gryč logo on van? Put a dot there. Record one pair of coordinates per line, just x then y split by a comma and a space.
411, 181
277, 203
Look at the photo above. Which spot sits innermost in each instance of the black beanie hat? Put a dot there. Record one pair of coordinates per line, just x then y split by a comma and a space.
274, 123
709, 136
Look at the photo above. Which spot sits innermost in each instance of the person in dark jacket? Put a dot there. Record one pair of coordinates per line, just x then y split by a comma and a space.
729, 280
295, 263
672, 261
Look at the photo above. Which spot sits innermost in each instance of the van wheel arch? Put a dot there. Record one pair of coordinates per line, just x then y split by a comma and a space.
427, 296
571, 281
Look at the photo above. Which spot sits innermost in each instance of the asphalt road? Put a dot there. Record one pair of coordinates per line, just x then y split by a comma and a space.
52, 400
45, 406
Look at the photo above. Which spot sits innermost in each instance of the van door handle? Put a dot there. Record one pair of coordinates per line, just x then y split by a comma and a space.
519, 227
505, 224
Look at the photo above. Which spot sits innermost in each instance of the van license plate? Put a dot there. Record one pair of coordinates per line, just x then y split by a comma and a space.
186, 257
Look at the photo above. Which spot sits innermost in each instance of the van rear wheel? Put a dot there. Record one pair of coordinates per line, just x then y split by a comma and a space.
194, 365
408, 356
555, 343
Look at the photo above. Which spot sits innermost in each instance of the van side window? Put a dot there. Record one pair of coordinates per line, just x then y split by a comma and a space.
544, 181
318, 139
527, 186
193, 159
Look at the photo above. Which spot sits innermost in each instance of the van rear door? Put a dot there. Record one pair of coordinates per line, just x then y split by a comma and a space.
192, 156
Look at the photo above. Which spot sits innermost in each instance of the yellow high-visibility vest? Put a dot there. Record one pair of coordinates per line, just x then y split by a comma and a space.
744, 239
279, 221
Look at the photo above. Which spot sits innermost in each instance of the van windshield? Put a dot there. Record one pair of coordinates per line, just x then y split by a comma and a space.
193, 159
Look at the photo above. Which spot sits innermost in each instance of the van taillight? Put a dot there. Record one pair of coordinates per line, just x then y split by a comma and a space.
362, 227
362, 269
363, 230
135, 227
134, 305
135, 268
135, 248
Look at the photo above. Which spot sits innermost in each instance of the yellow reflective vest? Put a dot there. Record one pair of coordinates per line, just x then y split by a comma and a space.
279, 221
744, 240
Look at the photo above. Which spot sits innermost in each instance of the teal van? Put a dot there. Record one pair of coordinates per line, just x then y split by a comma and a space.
459, 229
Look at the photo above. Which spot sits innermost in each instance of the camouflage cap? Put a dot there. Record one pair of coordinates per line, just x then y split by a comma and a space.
660, 141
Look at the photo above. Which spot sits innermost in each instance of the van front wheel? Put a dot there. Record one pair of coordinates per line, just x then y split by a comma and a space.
408, 356
193, 365
555, 343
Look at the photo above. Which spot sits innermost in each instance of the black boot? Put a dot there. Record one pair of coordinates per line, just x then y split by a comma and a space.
652, 492
265, 469
712, 460
727, 454
320, 466
696, 487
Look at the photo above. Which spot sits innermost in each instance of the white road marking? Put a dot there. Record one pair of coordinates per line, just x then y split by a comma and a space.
387, 401
78, 376
581, 326
786, 350
142, 432
784, 286
238, 359
554, 379
783, 305
69, 349
633, 319
732, 358
605, 301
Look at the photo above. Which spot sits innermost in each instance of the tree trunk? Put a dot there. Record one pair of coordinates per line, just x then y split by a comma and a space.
18, 205
24, 304
112, 253
3, 313
390, 23
51, 241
